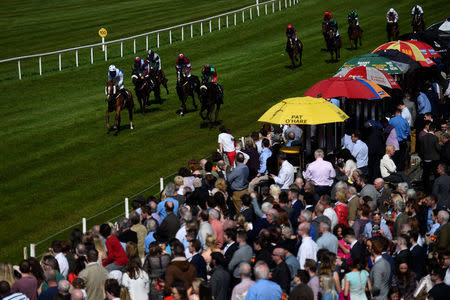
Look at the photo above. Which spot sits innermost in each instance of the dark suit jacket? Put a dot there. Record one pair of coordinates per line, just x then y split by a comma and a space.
282, 276
441, 188
296, 210
168, 229
418, 261
359, 251
200, 265
391, 262
403, 255
429, 147
258, 225
128, 236
220, 281
229, 254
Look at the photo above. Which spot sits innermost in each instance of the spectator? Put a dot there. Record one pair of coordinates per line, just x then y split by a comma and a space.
238, 180
301, 290
285, 176
243, 254
169, 191
117, 258
63, 289
7, 273
240, 291
136, 280
404, 279
220, 278
226, 144
281, 273
308, 248
430, 154
263, 289
56, 251
383, 203
341, 208
155, 265
112, 289
357, 249
27, 284
442, 243
197, 259
376, 227
402, 129
318, 211
49, 262
314, 282
5, 292
77, 294
179, 269
441, 186
217, 226
328, 290
329, 212
141, 232
327, 240
321, 173
417, 255
388, 168
440, 290
380, 273
352, 203
360, 152
356, 282
400, 218
170, 224
52, 290
94, 275
343, 250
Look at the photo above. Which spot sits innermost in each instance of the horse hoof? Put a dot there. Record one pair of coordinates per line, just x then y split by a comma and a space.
131, 127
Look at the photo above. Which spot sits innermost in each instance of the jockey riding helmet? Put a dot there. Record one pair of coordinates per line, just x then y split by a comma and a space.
207, 68
112, 70
289, 26
151, 54
391, 10
137, 59
180, 56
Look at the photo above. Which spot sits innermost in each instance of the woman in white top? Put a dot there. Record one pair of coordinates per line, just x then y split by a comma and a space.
136, 280
226, 144
388, 168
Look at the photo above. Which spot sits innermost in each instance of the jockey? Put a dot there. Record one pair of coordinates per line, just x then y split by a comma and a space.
417, 9
209, 73
291, 32
353, 16
392, 12
138, 65
116, 75
327, 16
184, 65
154, 60
332, 24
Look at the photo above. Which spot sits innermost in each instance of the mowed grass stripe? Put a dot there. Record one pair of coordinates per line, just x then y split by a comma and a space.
65, 167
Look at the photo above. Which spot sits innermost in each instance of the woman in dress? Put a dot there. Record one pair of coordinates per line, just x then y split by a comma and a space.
328, 291
356, 282
136, 280
404, 279
343, 247
341, 208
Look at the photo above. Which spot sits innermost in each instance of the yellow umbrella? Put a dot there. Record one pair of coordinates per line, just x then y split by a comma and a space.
303, 110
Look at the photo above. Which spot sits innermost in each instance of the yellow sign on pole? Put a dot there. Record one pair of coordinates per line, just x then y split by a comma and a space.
102, 32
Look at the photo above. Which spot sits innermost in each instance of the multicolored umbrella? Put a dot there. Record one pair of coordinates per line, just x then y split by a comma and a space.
379, 77
409, 49
426, 49
400, 59
375, 61
305, 111
349, 87
442, 26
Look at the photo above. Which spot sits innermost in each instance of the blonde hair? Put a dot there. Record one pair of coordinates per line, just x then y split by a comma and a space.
341, 196
211, 242
196, 284
98, 243
389, 147
7, 273
328, 285
221, 185
178, 180
275, 191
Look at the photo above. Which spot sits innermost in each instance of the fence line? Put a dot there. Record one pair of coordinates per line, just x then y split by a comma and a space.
105, 44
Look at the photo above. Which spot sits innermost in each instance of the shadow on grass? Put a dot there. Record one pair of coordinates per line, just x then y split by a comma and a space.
206, 124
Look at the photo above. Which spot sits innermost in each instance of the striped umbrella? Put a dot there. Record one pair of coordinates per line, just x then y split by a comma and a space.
426, 49
409, 49
379, 77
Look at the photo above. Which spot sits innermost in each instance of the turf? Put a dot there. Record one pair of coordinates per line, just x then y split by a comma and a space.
58, 163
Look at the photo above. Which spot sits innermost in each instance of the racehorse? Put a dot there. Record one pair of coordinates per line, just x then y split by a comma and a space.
210, 95
187, 87
295, 50
418, 23
354, 33
392, 29
324, 32
154, 84
116, 102
142, 89
334, 44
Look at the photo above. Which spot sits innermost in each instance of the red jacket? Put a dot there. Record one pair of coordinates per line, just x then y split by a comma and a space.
341, 210
116, 254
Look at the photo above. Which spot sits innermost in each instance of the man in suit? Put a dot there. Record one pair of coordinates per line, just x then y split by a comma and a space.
230, 245
442, 243
430, 154
383, 201
417, 255
353, 204
220, 278
402, 252
243, 254
94, 275
296, 204
281, 274
169, 226
197, 259
380, 272
441, 187
357, 249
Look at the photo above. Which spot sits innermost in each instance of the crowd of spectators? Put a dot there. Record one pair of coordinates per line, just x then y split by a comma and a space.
252, 224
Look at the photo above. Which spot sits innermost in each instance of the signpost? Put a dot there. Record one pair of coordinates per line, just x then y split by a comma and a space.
102, 33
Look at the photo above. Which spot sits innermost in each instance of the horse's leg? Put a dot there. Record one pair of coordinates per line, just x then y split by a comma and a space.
157, 92
217, 113
300, 53
193, 100
130, 116
117, 119
107, 119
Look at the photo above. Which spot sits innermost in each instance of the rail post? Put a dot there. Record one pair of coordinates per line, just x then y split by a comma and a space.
106, 52
285, 4
201, 28
210, 26
19, 70
59, 61
146, 42
76, 58
126, 208
25, 252
243, 16
134, 46
32, 250
279, 5
250, 12
161, 184
121, 48
40, 65
218, 22
273, 7
227, 21
265, 9
182, 33
192, 31
92, 55
157, 40
170, 36
83, 221
234, 19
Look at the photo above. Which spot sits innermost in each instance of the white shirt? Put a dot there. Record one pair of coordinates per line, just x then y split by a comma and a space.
227, 246
387, 166
286, 175
138, 288
407, 116
331, 214
347, 142
308, 249
227, 141
63, 264
181, 233
361, 153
